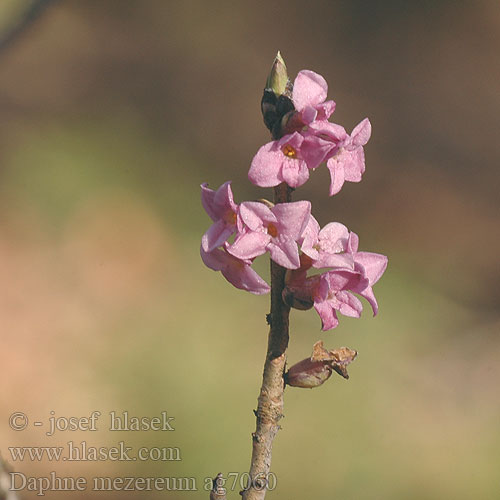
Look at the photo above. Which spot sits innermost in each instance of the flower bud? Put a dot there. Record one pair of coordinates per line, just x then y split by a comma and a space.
316, 370
308, 374
278, 77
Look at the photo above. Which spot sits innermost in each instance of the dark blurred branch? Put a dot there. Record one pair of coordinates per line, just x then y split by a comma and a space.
26, 19
5, 492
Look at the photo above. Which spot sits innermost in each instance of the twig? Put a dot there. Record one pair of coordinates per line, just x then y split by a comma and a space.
26, 19
270, 401
218, 491
5, 492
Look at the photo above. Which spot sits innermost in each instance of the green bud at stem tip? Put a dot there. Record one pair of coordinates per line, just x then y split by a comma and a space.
278, 77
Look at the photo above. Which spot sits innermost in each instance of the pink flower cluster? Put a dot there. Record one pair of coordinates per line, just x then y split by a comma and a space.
310, 141
287, 231
294, 240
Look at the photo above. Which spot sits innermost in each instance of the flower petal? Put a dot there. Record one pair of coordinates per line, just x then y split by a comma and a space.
310, 238
353, 243
336, 260
215, 260
349, 304
242, 276
353, 163
374, 265
292, 218
249, 245
315, 150
216, 235
266, 166
254, 214
361, 133
333, 237
336, 175
309, 89
325, 110
223, 198
368, 294
207, 200
284, 252
294, 172
327, 314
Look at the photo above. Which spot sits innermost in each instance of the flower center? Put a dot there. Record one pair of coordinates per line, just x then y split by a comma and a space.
272, 230
230, 218
289, 151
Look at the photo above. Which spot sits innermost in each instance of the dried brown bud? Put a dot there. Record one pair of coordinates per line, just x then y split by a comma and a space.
314, 371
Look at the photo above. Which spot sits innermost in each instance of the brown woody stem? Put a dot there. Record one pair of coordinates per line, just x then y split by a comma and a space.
270, 401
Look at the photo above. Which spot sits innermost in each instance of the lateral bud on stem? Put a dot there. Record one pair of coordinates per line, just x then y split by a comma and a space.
316, 370
218, 492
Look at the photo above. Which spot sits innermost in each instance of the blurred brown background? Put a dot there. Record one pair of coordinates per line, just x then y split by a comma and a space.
113, 113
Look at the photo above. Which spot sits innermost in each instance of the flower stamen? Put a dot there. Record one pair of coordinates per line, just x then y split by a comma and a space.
272, 230
289, 151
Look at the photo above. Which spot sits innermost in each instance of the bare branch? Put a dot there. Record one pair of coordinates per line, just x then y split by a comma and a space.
270, 402
33, 12
218, 491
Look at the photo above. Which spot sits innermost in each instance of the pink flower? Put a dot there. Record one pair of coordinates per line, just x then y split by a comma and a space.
327, 247
332, 294
276, 230
351, 272
238, 272
348, 161
308, 96
221, 208
288, 160
371, 265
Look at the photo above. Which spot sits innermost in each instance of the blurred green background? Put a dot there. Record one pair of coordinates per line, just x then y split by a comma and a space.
114, 112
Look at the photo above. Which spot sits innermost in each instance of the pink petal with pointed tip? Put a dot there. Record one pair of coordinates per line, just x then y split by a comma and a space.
361, 133
310, 238
336, 176
353, 242
327, 314
368, 294
224, 198
249, 245
207, 200
374, 265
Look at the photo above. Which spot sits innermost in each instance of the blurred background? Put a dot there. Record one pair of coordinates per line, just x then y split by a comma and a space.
114, 112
